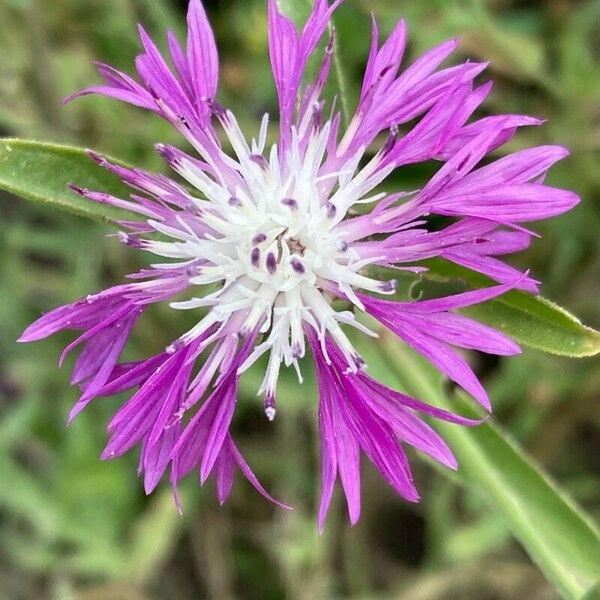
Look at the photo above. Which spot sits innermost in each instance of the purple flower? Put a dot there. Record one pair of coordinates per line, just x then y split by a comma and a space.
264, 239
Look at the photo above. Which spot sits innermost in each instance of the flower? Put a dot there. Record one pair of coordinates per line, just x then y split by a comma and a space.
263, 239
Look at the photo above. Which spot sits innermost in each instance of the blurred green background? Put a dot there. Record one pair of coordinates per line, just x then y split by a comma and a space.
74, 527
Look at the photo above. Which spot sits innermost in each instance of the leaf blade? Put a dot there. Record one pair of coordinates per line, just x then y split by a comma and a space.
40, 172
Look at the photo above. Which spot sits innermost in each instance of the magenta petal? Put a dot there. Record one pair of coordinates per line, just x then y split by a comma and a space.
521, 203
508, 127
180, 63
461, 331
105, 369
492, 267
202, 54
347, 453
328, 453
91, 357
219, 429
383, 65
283, 50
518, 168
127, 375
225, 473
448, 361
382, 448
156, 458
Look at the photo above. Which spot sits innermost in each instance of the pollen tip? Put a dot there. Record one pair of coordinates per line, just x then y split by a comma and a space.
271, 263
331, 209
217, 109
259, 238
255, 257
388, 287
270, 409
167, 153
297, 265
129, 240
260, 160
290, 203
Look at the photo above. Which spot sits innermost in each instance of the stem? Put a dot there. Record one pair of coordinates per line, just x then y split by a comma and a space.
341, 79
558, 537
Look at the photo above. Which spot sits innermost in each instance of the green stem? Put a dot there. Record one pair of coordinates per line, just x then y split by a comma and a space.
557, 536
341, 80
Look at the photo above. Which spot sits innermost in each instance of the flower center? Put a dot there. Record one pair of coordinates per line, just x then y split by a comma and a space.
275, 239
287, 242
295, 246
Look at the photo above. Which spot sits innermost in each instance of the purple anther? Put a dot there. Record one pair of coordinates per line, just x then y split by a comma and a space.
388, 287
271, 263
270, 409
297, 266
290, 203
255, 257
260, 160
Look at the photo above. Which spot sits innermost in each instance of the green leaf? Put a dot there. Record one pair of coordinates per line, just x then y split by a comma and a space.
555, 533
40, 172
530, 320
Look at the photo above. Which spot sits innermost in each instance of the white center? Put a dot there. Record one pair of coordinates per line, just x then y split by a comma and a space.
274, 244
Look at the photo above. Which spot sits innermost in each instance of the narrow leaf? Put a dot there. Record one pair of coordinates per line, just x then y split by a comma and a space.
556, 534
532, 321
40, 172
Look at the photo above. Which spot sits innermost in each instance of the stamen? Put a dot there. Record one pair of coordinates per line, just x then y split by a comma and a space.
391, 140
388, 287
271, 263
243, 249
255, 257
218, 110
167, 153
270, 408
260, 160
290, 202
297, 266
129, 240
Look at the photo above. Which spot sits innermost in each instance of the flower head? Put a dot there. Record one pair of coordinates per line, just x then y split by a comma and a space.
264, 238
